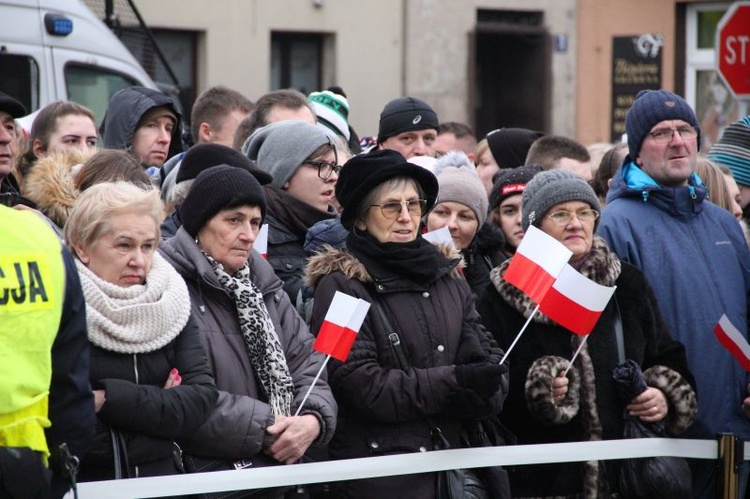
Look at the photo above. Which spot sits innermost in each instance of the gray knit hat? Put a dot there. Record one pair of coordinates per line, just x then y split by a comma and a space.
280, 148
553, 187
462, 185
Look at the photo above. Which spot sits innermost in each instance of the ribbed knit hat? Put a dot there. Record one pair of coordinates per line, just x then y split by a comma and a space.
733, 150
553, 187
462, 185
332, 111
365, 172
650, 108
218, 188
203, 156
509, 146
280, 148
509, 182
405, 114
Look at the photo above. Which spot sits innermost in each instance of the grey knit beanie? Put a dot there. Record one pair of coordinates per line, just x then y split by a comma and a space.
280, 148
553, 187
462, 185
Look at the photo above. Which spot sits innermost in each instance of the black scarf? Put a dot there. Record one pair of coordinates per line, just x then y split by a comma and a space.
296, 215
418, 260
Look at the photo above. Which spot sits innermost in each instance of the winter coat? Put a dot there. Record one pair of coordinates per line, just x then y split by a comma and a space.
694, 255
505, 309
237, 427
126, 108
483, 254
148, 416
382, 408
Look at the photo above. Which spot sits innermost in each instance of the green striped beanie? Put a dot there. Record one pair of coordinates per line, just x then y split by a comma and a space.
332, 111
733, 150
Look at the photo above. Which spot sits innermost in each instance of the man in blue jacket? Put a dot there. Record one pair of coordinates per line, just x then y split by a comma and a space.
658, 218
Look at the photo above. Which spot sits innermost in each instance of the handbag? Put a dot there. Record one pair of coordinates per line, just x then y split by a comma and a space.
666, 477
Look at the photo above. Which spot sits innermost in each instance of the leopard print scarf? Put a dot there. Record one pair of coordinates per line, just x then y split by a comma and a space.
262, 342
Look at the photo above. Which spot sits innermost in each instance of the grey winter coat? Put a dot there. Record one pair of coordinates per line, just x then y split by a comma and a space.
236, 428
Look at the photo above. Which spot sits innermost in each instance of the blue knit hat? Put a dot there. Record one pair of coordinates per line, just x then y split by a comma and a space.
733, 150
652, 107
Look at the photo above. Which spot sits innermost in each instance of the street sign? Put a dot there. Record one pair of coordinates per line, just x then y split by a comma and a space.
733, 49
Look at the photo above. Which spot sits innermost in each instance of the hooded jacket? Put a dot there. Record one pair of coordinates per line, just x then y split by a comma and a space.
237, 427
126, 109
382, 408
694, 255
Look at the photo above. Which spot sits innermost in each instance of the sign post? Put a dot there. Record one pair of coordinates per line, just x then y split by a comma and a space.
733, 49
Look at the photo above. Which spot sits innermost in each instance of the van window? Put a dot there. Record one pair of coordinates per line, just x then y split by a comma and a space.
93, 86
20, 79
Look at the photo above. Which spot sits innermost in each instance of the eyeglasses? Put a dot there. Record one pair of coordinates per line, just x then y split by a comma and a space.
664, 135
563, 218
325, 168
392, 209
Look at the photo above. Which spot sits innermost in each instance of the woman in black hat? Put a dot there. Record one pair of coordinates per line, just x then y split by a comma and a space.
421, 359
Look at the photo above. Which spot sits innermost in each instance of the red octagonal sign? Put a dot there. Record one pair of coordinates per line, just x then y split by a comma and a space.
733, 49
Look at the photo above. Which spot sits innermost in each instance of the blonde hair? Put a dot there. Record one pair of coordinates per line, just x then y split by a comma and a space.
713, 178
90, 218
482, 147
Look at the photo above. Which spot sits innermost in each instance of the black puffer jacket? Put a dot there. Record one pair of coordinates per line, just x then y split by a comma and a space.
483, 254
149, 417
382, 408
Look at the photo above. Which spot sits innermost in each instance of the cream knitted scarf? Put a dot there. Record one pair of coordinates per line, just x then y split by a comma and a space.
137, 319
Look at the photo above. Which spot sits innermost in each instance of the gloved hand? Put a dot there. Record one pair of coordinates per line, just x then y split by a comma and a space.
483, 379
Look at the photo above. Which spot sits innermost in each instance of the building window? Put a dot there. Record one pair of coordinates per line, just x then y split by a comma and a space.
713, 102
297, 61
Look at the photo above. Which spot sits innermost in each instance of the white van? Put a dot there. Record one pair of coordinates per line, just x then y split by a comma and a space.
58, 49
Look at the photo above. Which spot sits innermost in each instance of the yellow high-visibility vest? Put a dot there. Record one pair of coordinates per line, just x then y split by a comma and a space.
32, 290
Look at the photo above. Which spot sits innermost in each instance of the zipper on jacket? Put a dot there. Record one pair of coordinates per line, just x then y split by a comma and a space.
644, 194
201, 306
135, 367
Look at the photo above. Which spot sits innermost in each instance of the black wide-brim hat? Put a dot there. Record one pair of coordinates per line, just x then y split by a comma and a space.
366, 172
11, 106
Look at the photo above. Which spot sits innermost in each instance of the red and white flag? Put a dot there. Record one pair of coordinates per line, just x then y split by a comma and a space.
537, 262
733, 340
261, 241
575, 301
439, 236
341, 325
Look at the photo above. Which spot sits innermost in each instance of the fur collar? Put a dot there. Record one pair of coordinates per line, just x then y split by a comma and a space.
331, 260
602, 266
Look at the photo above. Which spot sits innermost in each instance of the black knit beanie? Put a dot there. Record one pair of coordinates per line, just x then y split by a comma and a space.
553, 187
218, 188
650, 108
509, 182
404, 115
510, 146
203, 156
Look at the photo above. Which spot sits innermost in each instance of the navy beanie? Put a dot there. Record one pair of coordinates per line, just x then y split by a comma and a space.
404, 115
650, 108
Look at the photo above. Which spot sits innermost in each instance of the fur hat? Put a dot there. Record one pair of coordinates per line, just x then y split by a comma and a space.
462, 185
509, 146
553, 187
332, 111
650, 108
11, 106
280, 148
203, 156
405, 114
733, 150
218, 188
365, 172
509, 182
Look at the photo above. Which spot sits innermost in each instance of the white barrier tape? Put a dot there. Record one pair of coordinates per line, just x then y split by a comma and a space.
402, 464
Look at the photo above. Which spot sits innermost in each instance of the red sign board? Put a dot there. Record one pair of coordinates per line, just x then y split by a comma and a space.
733, 49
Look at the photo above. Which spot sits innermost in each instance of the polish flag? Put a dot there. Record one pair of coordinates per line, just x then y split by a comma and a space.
439, 236
341, 325
575, 301
261, 241
733, 340
537, 262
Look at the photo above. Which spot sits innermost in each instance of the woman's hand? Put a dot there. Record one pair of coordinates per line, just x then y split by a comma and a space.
174, 379
559, 388
292, 436
99, 399
650, 406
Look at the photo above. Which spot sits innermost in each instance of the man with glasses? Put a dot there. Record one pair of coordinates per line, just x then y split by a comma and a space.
694, 254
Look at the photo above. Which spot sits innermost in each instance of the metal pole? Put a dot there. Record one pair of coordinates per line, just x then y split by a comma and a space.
731, 454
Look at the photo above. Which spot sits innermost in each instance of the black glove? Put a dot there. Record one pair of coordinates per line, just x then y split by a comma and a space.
466, 404
483, 379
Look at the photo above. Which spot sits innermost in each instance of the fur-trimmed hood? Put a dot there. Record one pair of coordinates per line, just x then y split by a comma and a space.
50, 184
340, 260
601, 266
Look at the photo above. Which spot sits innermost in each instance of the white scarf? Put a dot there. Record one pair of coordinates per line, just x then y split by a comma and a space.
136, 319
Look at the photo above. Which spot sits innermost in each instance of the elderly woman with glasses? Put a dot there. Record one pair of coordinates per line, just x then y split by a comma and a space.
304, 165
547, 406
421, 360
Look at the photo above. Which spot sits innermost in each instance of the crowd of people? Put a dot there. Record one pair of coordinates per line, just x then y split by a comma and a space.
144, 332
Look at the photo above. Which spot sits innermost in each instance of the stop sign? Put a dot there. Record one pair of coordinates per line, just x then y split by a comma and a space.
733, 49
